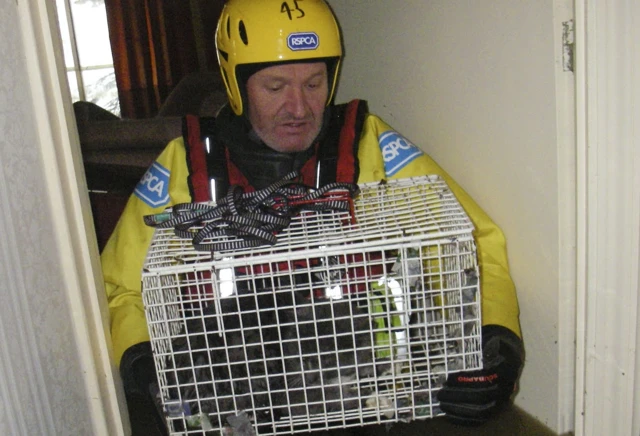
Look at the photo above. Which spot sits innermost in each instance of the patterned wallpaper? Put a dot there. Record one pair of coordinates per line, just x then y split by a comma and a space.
41, 384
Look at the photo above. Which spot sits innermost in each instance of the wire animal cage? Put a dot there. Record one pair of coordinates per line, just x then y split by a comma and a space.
349, 319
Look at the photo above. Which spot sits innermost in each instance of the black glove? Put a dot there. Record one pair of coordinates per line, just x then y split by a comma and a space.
140, 382
137, 370
472, 397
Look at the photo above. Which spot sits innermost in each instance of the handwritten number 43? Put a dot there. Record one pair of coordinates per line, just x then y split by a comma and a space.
285, 8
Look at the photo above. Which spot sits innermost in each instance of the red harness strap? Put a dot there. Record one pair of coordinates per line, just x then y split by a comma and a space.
235, 175
347, 166
198, 175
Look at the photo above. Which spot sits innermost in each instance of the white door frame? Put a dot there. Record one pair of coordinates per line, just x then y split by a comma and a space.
71, 217
608, 215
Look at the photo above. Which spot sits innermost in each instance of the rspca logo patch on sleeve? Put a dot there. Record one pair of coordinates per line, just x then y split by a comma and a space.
397, 151
153, 188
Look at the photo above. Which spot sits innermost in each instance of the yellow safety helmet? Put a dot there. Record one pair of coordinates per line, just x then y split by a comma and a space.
253, 34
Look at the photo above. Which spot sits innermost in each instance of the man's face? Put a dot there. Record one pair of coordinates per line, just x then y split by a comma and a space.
286, 104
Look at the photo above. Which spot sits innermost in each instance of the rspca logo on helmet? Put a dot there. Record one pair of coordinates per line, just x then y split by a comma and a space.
397, 151
303, 41
153, 188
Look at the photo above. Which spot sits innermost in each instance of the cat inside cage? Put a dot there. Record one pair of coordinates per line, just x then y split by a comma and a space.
276, 349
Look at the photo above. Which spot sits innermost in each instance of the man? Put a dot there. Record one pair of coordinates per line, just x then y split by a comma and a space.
280, 63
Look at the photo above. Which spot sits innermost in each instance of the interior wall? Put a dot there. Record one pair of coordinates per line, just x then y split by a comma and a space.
473, 84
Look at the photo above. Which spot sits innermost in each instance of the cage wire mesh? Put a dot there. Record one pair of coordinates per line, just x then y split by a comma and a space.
346, 321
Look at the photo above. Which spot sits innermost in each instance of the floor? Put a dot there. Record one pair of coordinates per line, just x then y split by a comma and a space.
511, 422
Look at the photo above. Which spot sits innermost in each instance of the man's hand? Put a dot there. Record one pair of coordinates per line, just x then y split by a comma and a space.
471, 397
137, 369
138, 374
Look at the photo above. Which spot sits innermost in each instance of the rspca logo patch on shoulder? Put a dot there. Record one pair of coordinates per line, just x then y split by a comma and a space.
303, 41
397, 151
153, 188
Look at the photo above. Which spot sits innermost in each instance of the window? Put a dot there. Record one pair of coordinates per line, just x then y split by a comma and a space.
87, 52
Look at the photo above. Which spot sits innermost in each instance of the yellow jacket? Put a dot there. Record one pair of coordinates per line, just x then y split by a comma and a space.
382, 154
